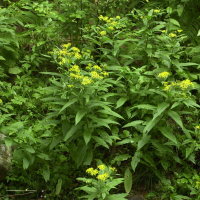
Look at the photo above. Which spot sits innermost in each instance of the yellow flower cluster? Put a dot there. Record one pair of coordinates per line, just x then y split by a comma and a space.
86, 81
163, 74
97, 67
113, 169
111, 28
103, 177
75, 68
76, 72
1, 101
101, 167
163, 31
172, 35
110, 21
96, 75
197, 127
103, 33
156, 11
92, 171
183, 85
77, 55
70, 86
180, 31
147, 1
197, 184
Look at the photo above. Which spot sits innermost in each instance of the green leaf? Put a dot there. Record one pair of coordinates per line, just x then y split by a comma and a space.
100, 141
8, 142
103, 122
149, 160
55, 142
145, 106
134, 123
161, 108
188, 152
72, 130
136, 159
175, 22
168, 133
87, 134
14, 70
79, 115
128, 180
43, 156
175, 116
46, 172
81, 152
29, 149
110, 112
121, 101
2, 58
191, 103
26, 162
69, 103
58, 186
151, 124
143, 141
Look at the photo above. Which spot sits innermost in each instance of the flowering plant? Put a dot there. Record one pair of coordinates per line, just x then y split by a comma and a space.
101, 187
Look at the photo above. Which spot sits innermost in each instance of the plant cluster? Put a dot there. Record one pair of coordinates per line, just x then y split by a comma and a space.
114, 82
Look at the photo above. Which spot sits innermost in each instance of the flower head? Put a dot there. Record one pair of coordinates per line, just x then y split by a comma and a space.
103, 177
103, 33
156, 11
118, 17
101, 167
172, 35
163, 74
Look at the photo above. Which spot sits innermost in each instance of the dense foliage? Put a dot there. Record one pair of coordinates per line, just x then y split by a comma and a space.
101, 89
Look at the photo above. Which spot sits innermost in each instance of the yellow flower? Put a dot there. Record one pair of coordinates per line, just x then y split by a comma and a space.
167, 87
156, 11
113, 23
101, 167
197, 184
97, 67
103, 177
118, 17
66, 46
101, 17
141, 17
163, 31
180, 31
86, 80
111, 28
197, 127
92, 171
163, 74
185, 84
75, 49
113, 169
75, 68
70, 86
96, 75
105, 73
103, 33
147, 1
111, 19
1, 101
77, 55
172, 35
